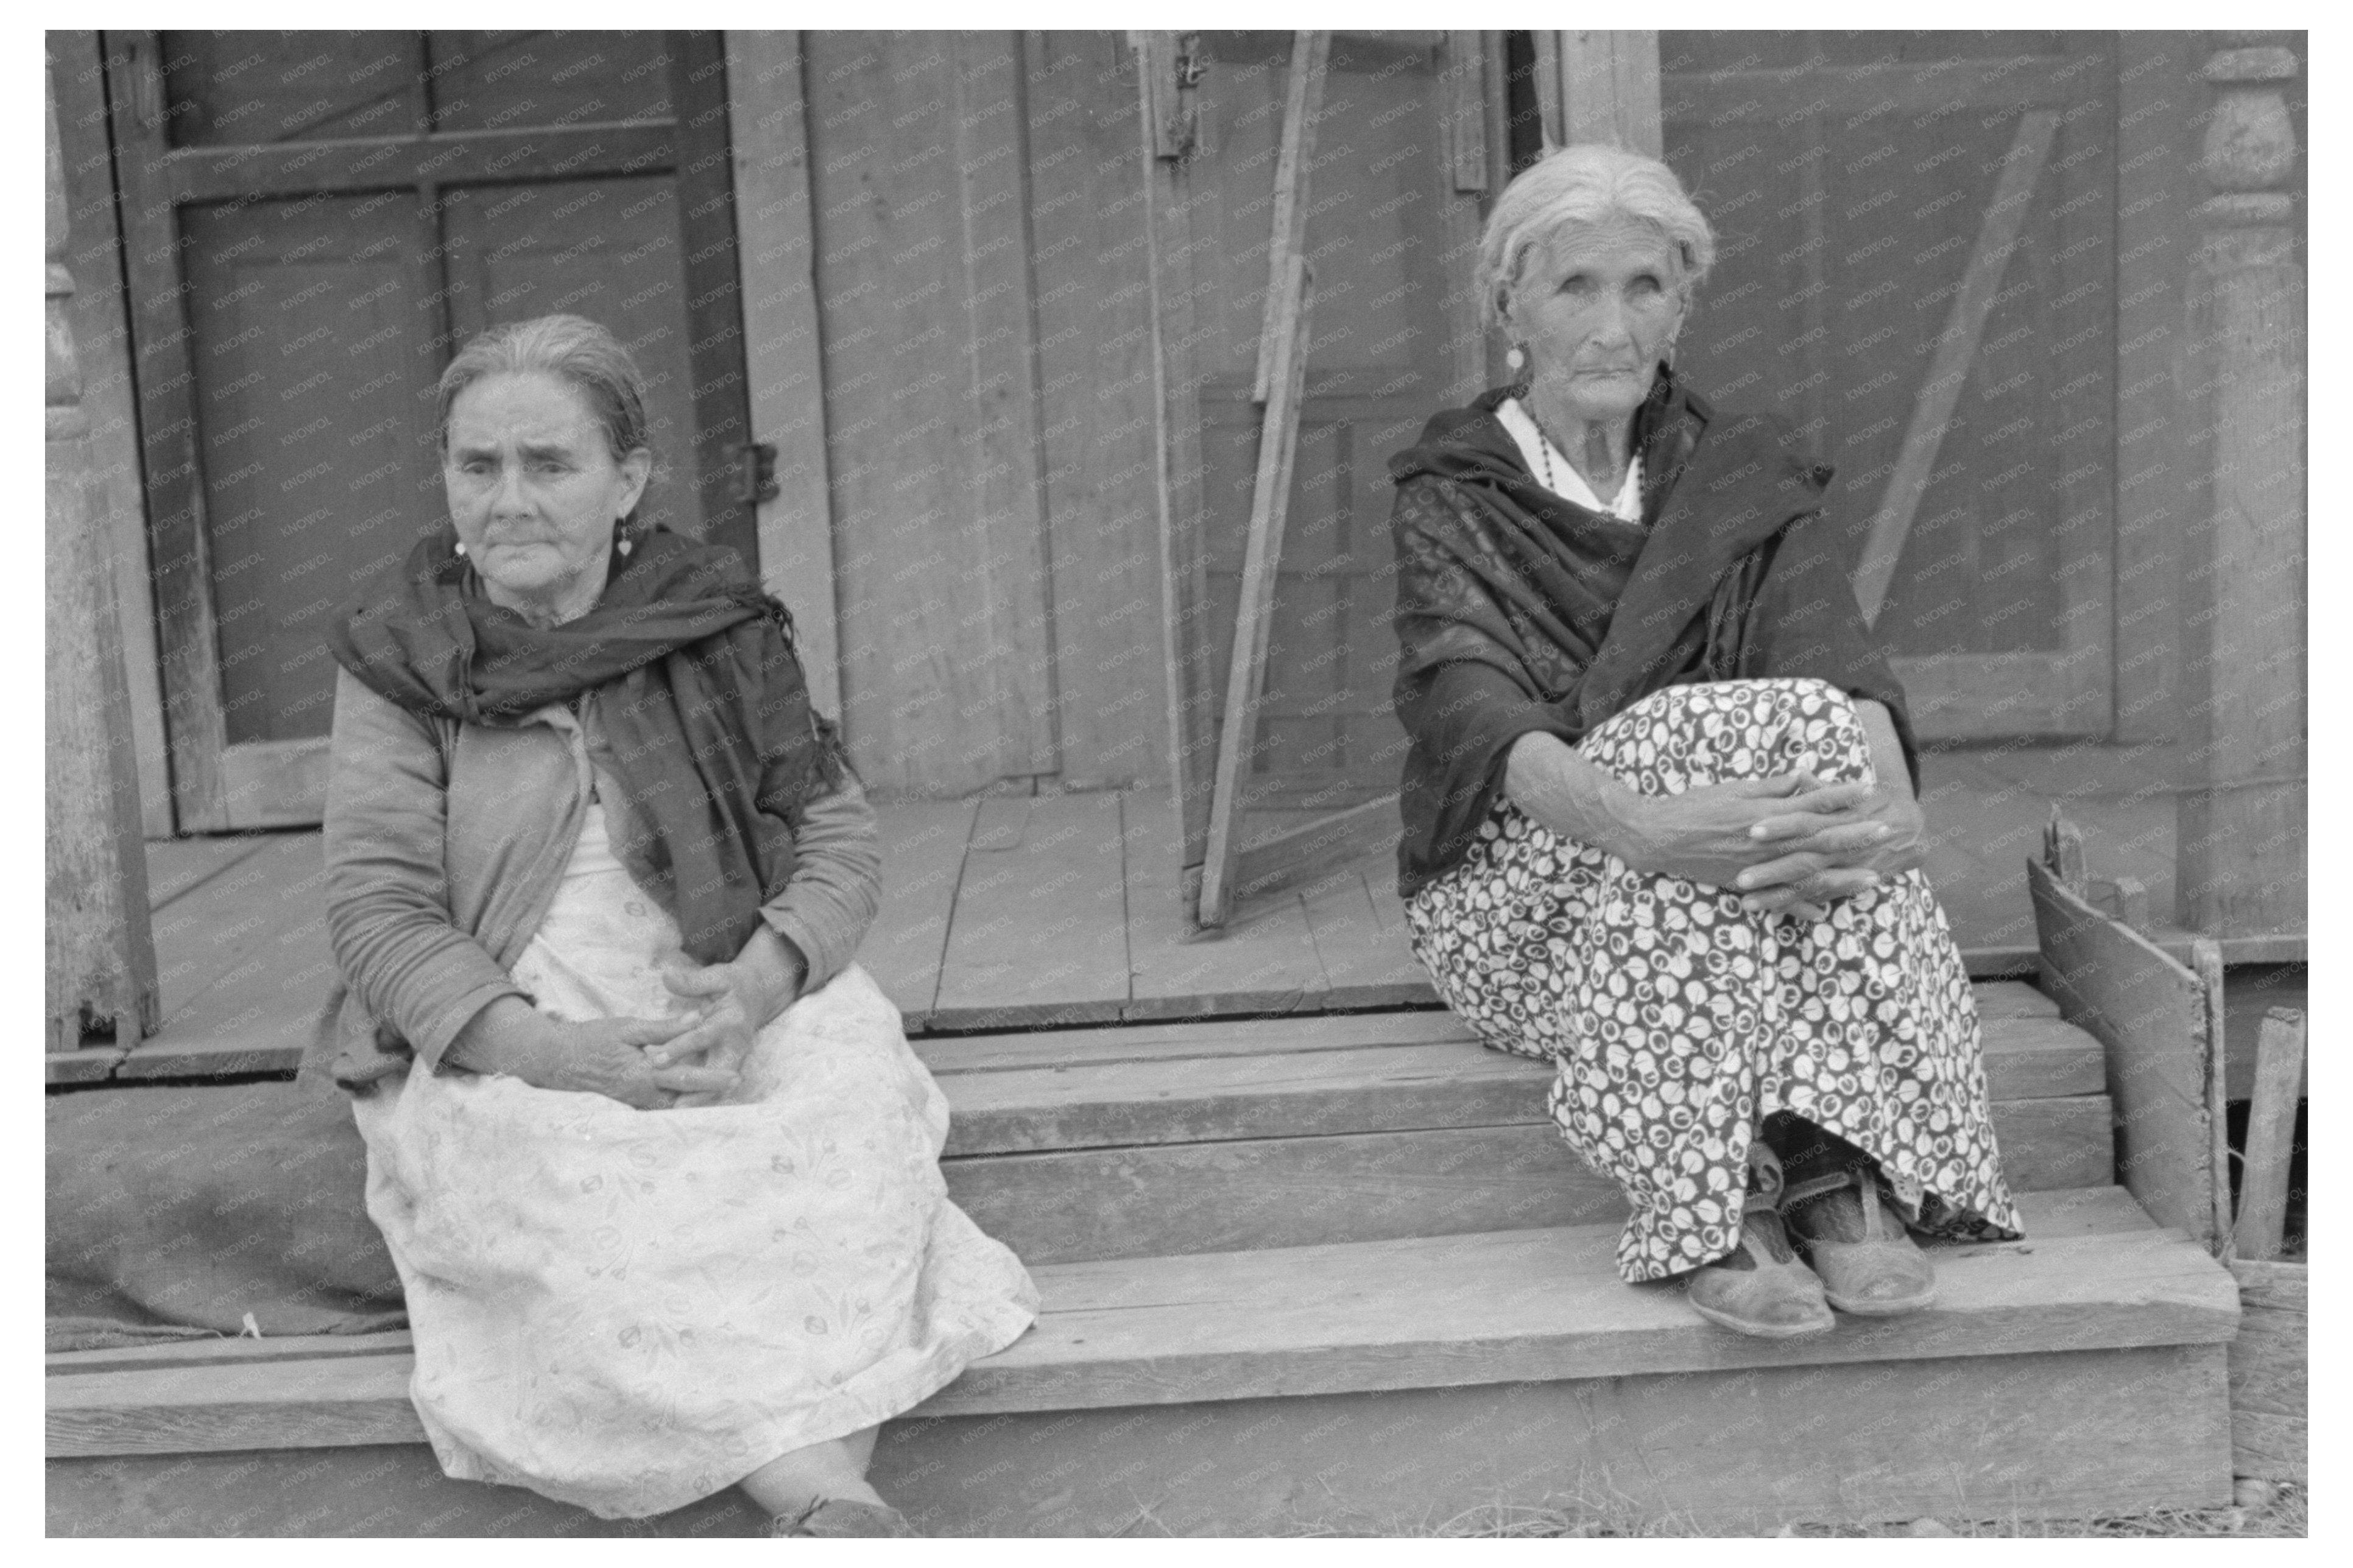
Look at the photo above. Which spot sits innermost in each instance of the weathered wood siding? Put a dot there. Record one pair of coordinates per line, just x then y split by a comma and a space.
984, 317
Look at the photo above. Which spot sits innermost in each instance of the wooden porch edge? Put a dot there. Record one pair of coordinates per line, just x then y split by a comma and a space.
1447, 1311
167, 1061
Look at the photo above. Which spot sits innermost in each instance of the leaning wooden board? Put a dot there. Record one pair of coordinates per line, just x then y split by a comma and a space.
2152, 1016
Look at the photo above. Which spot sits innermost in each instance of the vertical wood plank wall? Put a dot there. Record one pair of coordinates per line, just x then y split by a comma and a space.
984, 313
980, 465
2158, 452
1096, 408
768, 135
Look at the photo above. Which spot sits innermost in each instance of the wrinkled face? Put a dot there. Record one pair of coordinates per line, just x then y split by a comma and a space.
535, 492
1595, 309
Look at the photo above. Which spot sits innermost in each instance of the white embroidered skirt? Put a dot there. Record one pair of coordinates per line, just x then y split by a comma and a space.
628, 1310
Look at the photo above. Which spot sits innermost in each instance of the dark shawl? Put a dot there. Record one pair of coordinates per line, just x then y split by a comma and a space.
1516, 611
698, 692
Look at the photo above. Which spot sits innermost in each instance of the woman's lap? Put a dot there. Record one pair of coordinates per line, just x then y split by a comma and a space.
629, 1310
1679, 1019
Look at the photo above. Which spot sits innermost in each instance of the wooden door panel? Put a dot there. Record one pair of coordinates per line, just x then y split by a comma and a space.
242, 88
1326, 720
312, 222
605, 248
482, 80
1854, 181
316, 444
925, 291
1392, 338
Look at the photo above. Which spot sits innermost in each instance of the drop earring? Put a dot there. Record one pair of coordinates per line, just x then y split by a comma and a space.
461, 547
1517, 358
623, 544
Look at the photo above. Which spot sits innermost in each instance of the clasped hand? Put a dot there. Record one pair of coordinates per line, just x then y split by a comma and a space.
1789, 844
651, 1063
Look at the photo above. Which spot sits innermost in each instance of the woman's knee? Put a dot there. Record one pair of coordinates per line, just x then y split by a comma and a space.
1712, 731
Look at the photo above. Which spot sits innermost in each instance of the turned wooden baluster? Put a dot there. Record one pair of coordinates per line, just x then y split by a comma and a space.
2241, 807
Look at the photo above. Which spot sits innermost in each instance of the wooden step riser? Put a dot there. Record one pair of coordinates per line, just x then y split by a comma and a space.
2060, 1435
1159, 1200
1029, 1094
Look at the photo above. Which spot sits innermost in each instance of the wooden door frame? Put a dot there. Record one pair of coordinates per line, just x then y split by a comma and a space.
220, 787
776, 253
1470, 116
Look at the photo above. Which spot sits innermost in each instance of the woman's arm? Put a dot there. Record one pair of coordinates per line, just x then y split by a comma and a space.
1809, 866
388, 919
1714, 834
387, 892
836, 887
809, 932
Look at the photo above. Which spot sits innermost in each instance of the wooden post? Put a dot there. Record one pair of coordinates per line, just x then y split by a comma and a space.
2271, 1134
101, 955
2241, 824
774, 248
1600, 86
1281, 383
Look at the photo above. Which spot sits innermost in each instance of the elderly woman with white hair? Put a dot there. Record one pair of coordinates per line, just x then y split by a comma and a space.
1659, 827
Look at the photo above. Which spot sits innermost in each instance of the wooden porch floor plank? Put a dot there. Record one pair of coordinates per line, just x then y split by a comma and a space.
176, 866
1264, 962
243, 907
1172, 1041
922, 858
234, 927
1039, 930
248, 968
1364, 955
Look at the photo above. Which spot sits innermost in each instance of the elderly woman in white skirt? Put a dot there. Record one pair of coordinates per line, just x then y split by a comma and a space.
1659, 816
653, 1159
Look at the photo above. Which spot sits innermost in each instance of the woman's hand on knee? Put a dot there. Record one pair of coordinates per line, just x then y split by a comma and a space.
1801, 884
1871, 826
1822, 856
1713, 833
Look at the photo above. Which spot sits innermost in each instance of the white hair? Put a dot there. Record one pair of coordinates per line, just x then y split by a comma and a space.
1589, 186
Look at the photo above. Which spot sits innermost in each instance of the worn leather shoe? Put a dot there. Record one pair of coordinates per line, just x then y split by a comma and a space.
1762, 1290
1846, 1231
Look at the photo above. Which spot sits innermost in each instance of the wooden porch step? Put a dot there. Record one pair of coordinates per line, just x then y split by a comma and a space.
1135, 1141
2073, 1343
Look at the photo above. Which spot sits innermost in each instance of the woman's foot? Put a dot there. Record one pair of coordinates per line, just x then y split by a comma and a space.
844, 1517
1762, 1290
1856, 1242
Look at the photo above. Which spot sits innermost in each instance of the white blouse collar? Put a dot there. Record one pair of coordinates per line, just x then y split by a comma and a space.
1567, 482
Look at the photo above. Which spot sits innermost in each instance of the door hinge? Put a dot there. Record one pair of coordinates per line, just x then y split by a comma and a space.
1173, 65
755, 473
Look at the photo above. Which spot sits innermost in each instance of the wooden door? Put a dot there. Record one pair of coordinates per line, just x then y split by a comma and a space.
1917, 266
1400, 163
312, 222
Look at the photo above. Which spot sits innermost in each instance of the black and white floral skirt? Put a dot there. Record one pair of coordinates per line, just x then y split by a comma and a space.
1679, 1019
